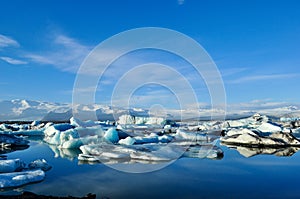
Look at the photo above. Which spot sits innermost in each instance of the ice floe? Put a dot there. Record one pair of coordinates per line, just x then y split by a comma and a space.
7, 166
16, 179
39, 164
14, 173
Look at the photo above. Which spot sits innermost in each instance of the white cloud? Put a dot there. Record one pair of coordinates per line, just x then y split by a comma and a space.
66, 54
6, 41
13, 61
263, 77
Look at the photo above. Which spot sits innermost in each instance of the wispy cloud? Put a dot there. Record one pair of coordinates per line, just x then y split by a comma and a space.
64, 53
6, 41
263, 77
180, 2
13, 61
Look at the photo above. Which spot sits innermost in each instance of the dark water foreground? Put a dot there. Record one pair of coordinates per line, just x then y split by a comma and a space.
234, 176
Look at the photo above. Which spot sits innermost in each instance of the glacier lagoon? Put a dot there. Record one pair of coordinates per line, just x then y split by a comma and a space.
233, 176
249, 157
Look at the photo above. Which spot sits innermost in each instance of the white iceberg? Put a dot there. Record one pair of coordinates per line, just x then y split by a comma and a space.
269, 128
16, 179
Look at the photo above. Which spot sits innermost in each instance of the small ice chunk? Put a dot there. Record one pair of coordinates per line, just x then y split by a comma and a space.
111, 135
127, 141
13, 165
16, 179
40, 164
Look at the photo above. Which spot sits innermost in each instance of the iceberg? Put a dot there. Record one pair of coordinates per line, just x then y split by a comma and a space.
64, 139
39, 164
252, 138
111, 135
16, 179
7, 166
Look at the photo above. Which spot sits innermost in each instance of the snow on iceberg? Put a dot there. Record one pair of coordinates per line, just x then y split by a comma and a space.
78, 123
269, 127
16, 179
127, 141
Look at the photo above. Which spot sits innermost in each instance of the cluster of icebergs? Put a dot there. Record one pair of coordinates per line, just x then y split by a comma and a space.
146, 140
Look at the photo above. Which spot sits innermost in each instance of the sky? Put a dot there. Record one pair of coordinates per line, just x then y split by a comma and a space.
254, 44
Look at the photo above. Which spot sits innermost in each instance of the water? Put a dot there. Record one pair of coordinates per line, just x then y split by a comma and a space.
234, 176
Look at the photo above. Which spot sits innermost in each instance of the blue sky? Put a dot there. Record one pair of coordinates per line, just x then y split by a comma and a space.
255, 44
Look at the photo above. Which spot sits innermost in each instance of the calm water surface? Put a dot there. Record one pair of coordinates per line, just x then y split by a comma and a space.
234, 176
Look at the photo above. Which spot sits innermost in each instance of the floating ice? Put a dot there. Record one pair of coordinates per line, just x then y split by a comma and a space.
63, 139
152, 138
192, 136
111, 135
248, 137
56, 128
127, 141
7, 166
16, 179
39, 164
